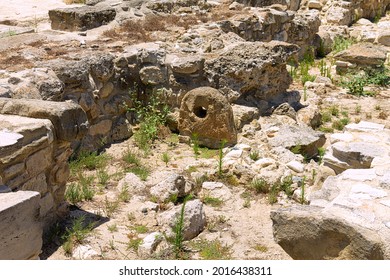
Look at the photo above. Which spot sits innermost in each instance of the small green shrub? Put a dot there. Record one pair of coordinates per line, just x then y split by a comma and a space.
165, 158
151, 113
103, 177
341, 43
131, 157
87, 161
326, 129
254, 155
140, 229
303, 186
76, 234
212, 201
286, 184
110, 207
195, 144
334, 110
321, 154
124, 194
134, 243
379, 77
260, 185
178, 238
304, 71
355, 85
326, 117
212, 250
220, 156
112, 228
73, 193
141, 171
358, 109
273, 194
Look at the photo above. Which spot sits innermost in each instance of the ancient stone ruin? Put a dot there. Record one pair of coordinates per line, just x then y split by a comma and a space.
260, 127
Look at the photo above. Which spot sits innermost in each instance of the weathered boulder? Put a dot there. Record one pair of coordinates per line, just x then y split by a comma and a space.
216, 189
149, 244
132, 183
348, 218
194, 219
175, 185
244, 115
363, 55
248, 72
302, 139
20, 228
384, 38
81, 18
36, 83
306, 233
207, 113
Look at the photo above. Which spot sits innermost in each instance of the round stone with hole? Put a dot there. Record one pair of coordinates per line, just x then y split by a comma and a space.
205, 114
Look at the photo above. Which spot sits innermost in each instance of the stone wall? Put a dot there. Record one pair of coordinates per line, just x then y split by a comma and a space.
271, 24
35, 148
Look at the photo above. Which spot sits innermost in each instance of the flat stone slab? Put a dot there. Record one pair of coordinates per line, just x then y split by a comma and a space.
363, 54
362, 145
17, 132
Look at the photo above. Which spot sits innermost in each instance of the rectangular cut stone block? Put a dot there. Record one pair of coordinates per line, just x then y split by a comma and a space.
20, 228
81, 18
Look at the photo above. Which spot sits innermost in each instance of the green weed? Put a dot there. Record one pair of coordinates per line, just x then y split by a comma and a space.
220, 156
212, 201
260, 185
254, 155
165, 158
76, 234
212, 250
341, 43
151, 113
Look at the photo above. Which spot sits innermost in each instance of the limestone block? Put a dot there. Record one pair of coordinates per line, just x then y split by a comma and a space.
81, 18
133, 183
187, 65
149, 244
363, 54
384, 38
69, 120
217, 190
39, 161
194, 219
46, 204
306, 139
174, 184
101, 128
314, 5
37, 183
106, 90
152, 75
20, 229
